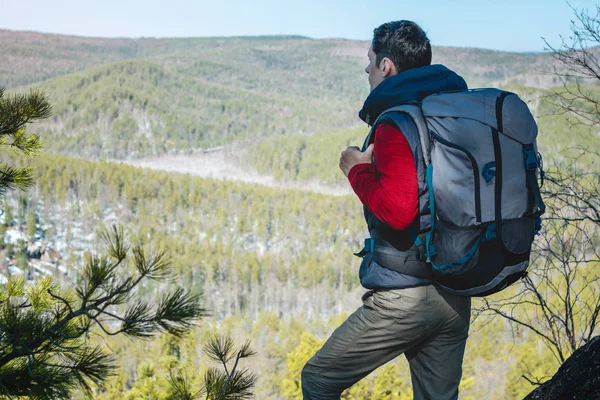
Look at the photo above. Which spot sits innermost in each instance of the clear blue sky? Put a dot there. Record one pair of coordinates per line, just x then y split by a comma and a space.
514, 25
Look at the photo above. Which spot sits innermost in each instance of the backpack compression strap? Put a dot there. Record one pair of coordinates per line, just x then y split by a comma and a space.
532, 163
396, 260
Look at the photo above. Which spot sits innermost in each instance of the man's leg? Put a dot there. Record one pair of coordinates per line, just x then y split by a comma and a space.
436, 363
388, 324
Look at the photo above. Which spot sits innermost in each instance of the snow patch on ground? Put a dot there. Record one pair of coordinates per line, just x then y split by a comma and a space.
217, 165
13, 236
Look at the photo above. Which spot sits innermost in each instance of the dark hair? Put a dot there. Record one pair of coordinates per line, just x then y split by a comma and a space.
403, 42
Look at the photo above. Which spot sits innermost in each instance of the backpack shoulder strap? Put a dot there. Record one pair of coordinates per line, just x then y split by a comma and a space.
416, 114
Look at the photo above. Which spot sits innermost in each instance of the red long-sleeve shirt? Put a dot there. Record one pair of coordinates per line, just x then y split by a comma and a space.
389, 189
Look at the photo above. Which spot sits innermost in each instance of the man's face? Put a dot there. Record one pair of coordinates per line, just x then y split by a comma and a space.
376, 75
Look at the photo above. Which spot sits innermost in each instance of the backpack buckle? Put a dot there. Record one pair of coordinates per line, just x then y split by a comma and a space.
490, 233
368, 248
489, 171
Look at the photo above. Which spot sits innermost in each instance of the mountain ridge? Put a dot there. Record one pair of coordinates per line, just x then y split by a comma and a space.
17, 44
134, 98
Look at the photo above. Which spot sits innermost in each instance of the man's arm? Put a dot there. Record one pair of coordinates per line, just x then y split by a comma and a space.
389, 189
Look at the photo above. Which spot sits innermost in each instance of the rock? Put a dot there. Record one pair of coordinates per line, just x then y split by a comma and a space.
34, 250
577, 378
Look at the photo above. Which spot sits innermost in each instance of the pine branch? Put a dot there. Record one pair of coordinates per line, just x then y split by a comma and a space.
228, 385
65, 302
90, 364
220, 349
12, 178
156, 269
18, 110
138, 321
116, 246
239, 386
180, 387
29, 145
246, 351
177, 311
214, 382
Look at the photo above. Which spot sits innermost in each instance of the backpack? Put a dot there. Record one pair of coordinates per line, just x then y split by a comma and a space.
480, 153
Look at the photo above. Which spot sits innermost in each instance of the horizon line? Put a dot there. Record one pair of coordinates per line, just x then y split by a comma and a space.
282, 36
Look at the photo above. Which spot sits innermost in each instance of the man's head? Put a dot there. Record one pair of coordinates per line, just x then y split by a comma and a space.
396, 47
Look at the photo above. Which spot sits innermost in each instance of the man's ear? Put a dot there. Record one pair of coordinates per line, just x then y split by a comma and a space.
388, 68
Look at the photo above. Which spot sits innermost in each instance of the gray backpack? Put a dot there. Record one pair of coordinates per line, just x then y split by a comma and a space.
479, 149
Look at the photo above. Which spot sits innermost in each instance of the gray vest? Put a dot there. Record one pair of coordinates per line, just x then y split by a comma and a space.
405, 256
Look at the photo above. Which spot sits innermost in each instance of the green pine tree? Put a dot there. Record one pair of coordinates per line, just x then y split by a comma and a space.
45, 347
44, 330
31, 224
8, 217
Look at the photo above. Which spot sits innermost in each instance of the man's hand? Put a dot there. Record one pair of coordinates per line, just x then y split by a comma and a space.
352, 156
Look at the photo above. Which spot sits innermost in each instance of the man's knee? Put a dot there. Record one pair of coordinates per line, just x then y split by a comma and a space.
308, 380
315, 385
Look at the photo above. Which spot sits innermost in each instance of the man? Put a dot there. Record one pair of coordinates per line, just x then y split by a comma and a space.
403, 312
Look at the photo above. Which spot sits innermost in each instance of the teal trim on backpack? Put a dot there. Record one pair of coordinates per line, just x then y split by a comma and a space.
414, 236
418, 241
429, 249
490, 234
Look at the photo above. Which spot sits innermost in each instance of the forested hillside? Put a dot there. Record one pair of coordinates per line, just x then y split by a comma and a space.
129, 98
136, 108
274, 265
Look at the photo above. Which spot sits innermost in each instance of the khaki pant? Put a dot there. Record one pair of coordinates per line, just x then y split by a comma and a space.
426, 324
